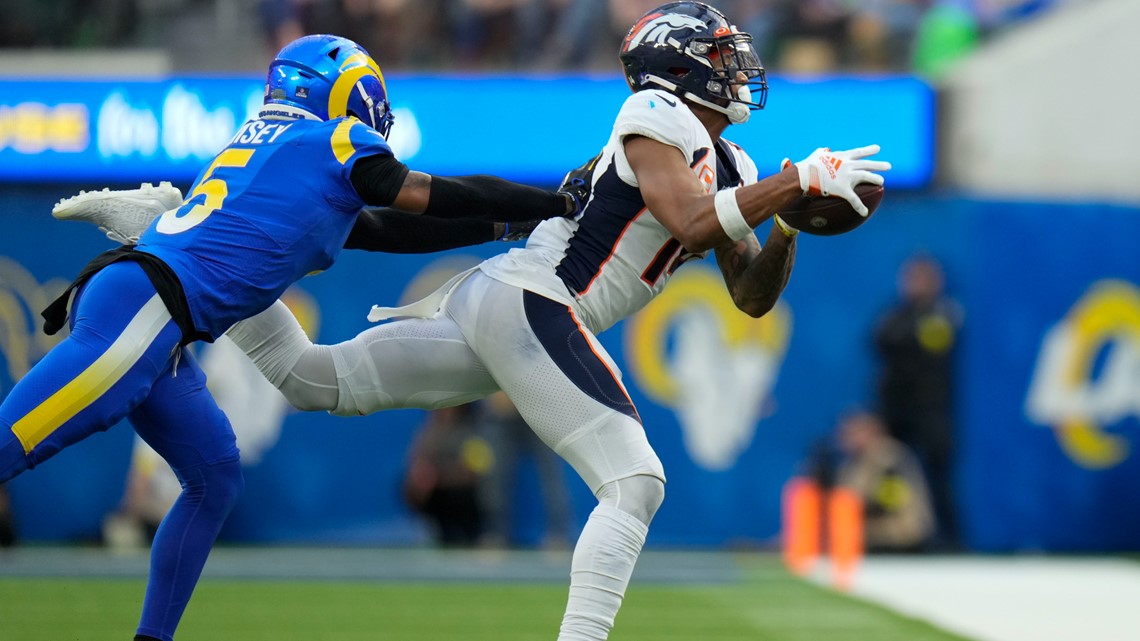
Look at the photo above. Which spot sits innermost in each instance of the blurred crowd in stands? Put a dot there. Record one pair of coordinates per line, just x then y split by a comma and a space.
797, 36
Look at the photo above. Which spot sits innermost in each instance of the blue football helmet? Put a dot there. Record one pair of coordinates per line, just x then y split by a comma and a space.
327, 77
690, 49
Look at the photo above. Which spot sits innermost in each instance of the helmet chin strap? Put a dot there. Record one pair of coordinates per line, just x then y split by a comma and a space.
737, 113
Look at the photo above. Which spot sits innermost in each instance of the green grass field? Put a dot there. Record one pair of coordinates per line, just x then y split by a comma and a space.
769, 605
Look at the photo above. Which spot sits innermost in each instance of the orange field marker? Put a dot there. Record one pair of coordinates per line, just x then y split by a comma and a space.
802, 514
814, 519
844, 535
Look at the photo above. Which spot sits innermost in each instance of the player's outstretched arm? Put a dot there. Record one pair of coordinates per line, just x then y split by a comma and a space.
399, 232
382, 181
680, 203
756, 278
701, 222
482, 197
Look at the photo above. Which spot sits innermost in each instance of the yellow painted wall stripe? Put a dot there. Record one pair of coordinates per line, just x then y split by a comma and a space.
341, 146
94, 381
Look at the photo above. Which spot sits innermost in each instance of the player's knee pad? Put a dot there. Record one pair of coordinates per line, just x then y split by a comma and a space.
311, 385
356, 377
639, 496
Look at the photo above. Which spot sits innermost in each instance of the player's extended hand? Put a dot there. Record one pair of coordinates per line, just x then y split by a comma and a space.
577, 183
835, 173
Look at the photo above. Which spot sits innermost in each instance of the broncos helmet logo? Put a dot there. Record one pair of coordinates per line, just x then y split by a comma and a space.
655, 29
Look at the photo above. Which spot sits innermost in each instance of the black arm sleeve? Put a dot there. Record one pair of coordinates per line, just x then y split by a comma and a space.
398, 232
490, 198
378, 179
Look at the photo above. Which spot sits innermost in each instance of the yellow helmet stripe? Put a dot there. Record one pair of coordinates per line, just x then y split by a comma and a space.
338, 96
360, 58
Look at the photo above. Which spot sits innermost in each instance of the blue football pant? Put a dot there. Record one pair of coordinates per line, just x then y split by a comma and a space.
122, 360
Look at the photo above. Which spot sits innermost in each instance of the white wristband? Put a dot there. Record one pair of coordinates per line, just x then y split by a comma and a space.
729, 214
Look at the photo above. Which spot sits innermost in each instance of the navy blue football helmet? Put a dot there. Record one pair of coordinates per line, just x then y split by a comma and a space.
690, 49
327, 77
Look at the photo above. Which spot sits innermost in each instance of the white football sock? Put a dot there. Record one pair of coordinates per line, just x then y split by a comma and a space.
599, 573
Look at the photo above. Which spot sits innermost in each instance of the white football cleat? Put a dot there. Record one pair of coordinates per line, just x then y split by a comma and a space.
122, 214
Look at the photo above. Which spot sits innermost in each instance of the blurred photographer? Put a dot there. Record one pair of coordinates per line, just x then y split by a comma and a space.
897, 513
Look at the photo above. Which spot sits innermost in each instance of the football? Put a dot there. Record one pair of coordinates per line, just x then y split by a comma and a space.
831, 215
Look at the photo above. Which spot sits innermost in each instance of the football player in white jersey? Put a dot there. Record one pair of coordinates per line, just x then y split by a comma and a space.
666, 188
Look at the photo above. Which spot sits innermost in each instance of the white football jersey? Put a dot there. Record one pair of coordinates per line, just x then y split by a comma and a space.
612, 259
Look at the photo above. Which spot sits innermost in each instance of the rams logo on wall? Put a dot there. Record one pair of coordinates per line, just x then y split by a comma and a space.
1087, 376
22, 344
691, 349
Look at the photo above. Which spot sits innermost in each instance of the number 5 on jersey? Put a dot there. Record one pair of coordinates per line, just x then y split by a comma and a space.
214, 191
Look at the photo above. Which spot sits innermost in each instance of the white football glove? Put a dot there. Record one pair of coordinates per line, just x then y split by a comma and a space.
835, 173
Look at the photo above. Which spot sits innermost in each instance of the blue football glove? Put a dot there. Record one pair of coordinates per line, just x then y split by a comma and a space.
577, 184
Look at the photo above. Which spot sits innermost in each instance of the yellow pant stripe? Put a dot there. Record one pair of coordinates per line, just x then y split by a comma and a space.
94, 381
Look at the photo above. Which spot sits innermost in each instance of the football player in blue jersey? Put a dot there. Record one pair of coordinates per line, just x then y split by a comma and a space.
276, 204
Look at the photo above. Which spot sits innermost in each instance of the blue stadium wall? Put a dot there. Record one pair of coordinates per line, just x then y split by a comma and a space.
1048, 376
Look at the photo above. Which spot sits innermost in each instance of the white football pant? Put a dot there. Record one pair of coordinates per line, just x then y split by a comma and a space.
490, 336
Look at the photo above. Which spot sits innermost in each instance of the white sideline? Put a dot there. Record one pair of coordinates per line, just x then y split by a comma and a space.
1010, 598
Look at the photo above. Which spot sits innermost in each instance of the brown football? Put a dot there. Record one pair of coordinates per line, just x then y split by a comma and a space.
830, 215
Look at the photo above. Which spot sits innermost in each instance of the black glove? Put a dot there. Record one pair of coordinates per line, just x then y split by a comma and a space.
577, 184
518, 231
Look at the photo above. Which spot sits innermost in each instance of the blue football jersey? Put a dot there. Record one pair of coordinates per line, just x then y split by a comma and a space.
273, 206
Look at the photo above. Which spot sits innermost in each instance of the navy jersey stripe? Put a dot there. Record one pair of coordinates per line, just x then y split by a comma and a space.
727, 174
681, 259
664, 255
615, 205
565, 342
